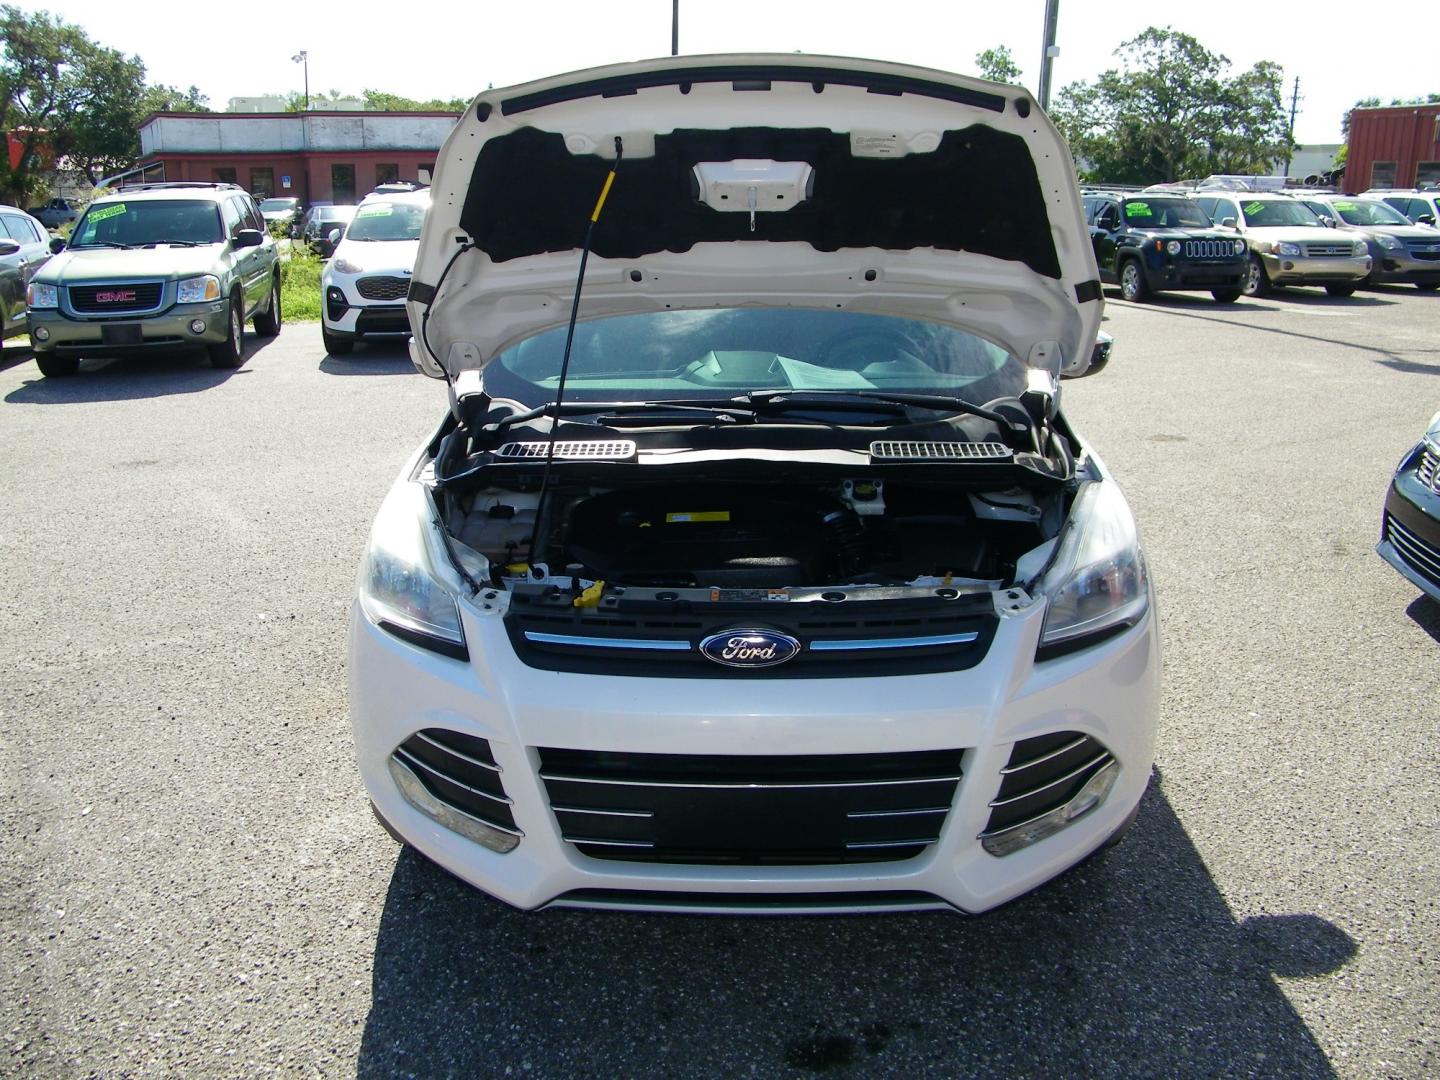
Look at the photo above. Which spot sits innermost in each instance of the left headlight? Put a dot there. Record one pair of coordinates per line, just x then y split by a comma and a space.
397, 583
1287, 248
343, 265
40, 295
197, 290
1098, 582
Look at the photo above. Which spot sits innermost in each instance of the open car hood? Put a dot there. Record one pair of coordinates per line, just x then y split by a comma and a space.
875, 187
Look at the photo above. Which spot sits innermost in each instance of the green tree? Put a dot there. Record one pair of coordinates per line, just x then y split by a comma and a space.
998, 65
1170, 111
385, 102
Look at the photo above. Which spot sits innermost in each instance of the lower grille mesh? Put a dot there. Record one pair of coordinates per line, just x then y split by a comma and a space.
750, 811
460, 771
1044, 774
1420, 556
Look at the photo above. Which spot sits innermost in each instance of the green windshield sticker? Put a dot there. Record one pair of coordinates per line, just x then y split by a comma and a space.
106, 212
1254, 207
1344, 205
1138, 209
379, 210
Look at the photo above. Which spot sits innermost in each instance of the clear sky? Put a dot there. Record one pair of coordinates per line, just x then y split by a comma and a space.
447, 49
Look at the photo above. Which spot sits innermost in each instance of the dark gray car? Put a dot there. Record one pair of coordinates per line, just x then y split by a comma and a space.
24, 247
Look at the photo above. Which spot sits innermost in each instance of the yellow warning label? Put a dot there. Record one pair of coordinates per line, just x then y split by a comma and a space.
697, 515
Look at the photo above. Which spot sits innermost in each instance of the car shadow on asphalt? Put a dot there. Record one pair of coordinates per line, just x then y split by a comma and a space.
1130, 965
1425, 613
371, 358
130, 377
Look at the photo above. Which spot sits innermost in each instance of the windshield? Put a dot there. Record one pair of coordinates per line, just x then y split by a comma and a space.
269, 206
140, 223
1155, 213
1262, 213
387, 221
1366, 212
729, 351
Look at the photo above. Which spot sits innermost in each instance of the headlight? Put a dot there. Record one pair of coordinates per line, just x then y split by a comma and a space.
1287, 248
1239, 247
344, 266
1173, 247
1098, 580
39, 295
196, 290
397, 586
1388, 242
1433, 430
1362, 248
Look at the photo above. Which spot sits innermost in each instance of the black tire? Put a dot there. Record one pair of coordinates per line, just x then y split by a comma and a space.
1133, 286
1257, 282
1225, 296
267, 322
57, 367
1427, 286
230, 353
1340, 290
336, 346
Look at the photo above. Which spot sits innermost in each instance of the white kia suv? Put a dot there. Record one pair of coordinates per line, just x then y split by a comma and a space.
766, 573
363, 286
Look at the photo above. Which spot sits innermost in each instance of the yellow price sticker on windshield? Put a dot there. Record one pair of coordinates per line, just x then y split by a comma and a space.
106, 212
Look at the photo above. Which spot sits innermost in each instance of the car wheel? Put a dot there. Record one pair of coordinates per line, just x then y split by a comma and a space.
1340, 290
267, 323
1427, 286
230, 353
1225, 296
1256, 281
335, 346
57, 367
1133, 286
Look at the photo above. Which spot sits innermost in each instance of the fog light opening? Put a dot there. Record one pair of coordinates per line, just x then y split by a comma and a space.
418, 796
40, 333
197, 326
1010, 840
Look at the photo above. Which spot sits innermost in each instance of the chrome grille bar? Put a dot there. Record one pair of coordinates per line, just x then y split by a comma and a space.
747, 785
1098, 759
822, 645
456, 753
414, 763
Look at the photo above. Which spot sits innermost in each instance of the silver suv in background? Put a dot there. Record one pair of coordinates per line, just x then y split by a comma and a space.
1289, 244
1399, 251
1421, 206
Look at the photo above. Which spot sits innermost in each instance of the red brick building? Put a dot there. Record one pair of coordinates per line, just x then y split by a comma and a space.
318, 156
1394, 147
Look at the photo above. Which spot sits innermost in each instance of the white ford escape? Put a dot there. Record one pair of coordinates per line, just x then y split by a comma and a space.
777, 580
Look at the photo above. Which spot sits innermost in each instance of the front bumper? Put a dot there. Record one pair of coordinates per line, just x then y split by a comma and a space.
1183, 274
71, 336
1410, 528
1404, 267
1109, 692
347, 314
1316, 270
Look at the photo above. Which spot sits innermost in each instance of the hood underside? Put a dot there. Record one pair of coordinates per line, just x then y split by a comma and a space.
756, 180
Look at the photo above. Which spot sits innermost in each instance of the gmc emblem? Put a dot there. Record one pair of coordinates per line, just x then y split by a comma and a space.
117, 296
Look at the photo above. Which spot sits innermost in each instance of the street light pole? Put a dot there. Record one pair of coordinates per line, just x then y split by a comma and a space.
674, 27
303, 57
1052, 15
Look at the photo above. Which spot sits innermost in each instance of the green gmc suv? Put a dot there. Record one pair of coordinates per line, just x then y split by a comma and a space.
157, 266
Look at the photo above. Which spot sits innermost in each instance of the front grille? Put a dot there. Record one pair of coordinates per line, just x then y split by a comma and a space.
596, 449
124, 298
1329, 250
662, 639
460, 771
383, 288
940, 451
1418, 555
1429, 471
1210, 249
1044, 773
1423, 249
750, 811
382, 320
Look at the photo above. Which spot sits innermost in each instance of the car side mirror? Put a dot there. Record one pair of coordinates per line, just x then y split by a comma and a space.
1227, 223
1426, 219
8, 247
1327, 221
248, 238
333, 236
57, 245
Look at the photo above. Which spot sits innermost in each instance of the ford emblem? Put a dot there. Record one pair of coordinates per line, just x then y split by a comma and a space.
749, 648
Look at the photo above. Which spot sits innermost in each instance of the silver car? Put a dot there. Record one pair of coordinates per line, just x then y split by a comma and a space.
1401, 252
1421, 206
1289, 244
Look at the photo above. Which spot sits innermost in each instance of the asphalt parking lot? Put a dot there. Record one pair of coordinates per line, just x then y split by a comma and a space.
193, 884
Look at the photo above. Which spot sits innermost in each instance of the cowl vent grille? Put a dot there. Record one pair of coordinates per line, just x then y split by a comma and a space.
593, 449
940, 451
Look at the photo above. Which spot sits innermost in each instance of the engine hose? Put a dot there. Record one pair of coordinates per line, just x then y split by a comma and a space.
850, 539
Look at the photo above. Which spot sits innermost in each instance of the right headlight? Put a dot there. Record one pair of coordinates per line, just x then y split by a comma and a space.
343, 265
1097, 582
397, 586
40, 295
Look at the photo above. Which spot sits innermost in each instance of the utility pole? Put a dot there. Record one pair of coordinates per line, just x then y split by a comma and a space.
303, 57
1290, 131
674, 27
1047, 57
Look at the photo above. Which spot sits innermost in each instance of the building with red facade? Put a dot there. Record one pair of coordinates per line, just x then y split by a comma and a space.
318, 157
1394, 147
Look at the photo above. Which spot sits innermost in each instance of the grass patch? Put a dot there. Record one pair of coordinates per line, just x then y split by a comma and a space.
300, 285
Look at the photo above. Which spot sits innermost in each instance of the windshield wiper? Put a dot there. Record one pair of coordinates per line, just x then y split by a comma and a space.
178, 243
867, 400
103, 243
699, 410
